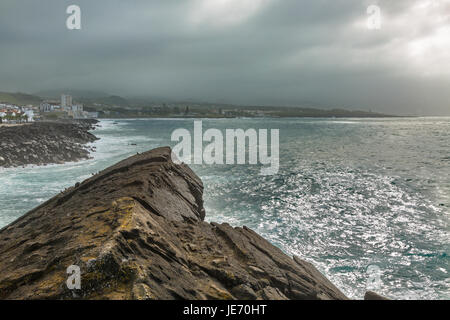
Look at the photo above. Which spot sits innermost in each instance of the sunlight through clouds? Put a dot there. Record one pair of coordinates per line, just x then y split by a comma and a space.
429, 49
417, 37
421, 37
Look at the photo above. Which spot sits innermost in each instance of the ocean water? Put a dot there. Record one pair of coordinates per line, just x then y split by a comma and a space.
351, 195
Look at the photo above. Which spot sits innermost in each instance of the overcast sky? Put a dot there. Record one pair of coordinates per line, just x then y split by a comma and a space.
272, 52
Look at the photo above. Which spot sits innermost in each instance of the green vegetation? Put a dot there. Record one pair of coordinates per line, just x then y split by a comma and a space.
54, 115
17, 117
19, 98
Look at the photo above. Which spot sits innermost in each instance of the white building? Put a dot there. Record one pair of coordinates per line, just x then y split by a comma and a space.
45, 107
30, 115
92, 115
77, 107
66, 101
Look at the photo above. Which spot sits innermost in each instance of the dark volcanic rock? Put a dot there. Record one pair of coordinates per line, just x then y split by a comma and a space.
45, 142
370, 295
136, 230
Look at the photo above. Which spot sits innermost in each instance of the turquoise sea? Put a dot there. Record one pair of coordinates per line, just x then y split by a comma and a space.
350, 194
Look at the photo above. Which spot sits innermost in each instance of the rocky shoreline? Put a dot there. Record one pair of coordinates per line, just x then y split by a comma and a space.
136, 231
43, 143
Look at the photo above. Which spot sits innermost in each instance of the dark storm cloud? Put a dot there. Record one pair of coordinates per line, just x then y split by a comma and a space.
273, 52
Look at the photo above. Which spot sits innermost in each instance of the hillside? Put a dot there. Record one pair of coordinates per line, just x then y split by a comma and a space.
19, 98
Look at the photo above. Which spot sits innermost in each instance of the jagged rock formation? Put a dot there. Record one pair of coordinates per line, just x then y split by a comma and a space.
136, 230
43, 143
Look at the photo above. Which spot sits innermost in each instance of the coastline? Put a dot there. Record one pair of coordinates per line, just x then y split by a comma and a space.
204, 116
8, 125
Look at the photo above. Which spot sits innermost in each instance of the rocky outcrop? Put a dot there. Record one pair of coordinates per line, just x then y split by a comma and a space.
137, 231
43, 143
370, 295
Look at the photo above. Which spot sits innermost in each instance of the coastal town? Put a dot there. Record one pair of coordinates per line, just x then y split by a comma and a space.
65, 108
10, 113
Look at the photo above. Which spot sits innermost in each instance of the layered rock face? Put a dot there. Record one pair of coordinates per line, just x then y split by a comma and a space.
137, 231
